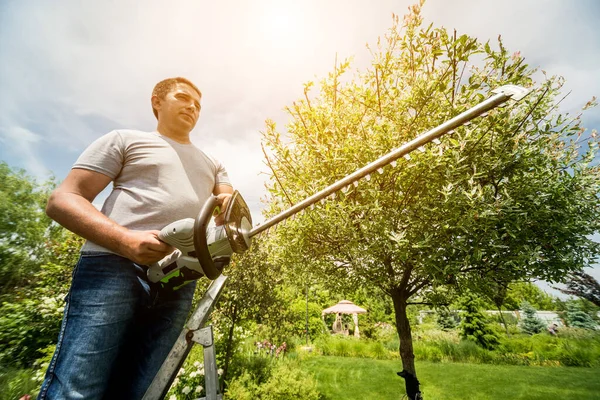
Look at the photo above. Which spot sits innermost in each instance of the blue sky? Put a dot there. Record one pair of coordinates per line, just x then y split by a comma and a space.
71, 71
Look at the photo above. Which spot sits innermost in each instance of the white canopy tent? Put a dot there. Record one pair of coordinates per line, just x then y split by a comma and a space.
344, 307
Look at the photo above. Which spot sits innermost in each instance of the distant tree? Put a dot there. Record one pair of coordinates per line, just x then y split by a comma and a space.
577, 318
518, 292
25, 230
582, 285
474, 325
445, 319
531, 323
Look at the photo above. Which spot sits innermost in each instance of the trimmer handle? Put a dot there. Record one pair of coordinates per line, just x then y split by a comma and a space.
200, 240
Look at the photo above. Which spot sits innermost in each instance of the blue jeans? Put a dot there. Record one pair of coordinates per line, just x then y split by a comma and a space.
116, 332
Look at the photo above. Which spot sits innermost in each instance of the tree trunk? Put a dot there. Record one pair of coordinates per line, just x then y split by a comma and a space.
409, 373
229, 346
503, 321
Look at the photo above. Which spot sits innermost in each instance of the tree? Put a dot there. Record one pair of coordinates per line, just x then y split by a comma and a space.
36, 261
518, 292
251, 293
583, 285
577, 318
514, 195
531, 323
445, 319
30, 319
25, 230
474, 326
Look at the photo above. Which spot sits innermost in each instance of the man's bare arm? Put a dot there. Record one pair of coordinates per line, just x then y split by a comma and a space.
71, 206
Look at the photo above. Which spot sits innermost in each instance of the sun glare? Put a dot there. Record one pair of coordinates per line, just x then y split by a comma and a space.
281, 24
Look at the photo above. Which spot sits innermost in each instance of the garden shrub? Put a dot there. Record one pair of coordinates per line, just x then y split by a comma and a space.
450, 350
342, 346
393, 343
577, 354
579, 333
31, 323
377, 350
258, 366
531, 323
540, 349
15, 383
446, 320
242, 388
189, 383
25, 329
474, 325
385, 332
516, 344
577, 318
287, 381
427, 352
470, 351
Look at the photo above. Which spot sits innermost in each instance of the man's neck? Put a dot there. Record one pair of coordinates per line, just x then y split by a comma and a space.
180, 136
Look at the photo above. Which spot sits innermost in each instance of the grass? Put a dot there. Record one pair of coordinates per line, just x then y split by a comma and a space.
359, 378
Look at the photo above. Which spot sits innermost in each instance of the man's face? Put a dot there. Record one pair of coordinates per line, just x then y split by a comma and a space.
180, 108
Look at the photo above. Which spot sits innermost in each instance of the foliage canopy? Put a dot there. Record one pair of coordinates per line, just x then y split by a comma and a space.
514, 196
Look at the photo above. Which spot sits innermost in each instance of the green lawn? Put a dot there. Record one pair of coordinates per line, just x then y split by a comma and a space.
361, 379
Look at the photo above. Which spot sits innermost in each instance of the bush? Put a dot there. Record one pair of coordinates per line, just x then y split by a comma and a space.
539, 349
578, 333
189, 383
15, 383
25, 329
474, 325
342, 346
446, 320
384, 332
572, 354
242, 388
258, 366
450, 351
287, 381
30, 324
531, 323
577, 318
506, 317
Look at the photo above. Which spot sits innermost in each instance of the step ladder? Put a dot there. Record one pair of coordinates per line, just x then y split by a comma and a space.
193, 332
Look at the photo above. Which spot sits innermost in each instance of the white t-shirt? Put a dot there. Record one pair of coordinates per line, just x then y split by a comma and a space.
156, 180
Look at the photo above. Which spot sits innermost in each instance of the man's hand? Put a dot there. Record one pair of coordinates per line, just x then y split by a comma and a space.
144, 247
222, 200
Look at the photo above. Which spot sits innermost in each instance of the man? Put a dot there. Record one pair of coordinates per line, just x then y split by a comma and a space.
117, 328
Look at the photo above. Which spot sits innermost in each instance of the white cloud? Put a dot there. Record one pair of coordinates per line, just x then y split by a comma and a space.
25, 143
77, 69
558, 36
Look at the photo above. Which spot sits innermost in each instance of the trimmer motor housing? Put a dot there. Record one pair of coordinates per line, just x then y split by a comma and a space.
203, 251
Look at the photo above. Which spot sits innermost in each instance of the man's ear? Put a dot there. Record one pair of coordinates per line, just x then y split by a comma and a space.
156, 103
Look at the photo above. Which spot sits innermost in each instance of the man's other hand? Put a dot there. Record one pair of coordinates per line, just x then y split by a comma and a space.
222, 200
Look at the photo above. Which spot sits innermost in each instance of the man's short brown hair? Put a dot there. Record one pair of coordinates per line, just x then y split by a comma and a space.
165, 86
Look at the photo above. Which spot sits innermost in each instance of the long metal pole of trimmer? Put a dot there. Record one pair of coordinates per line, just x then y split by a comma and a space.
502, 94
